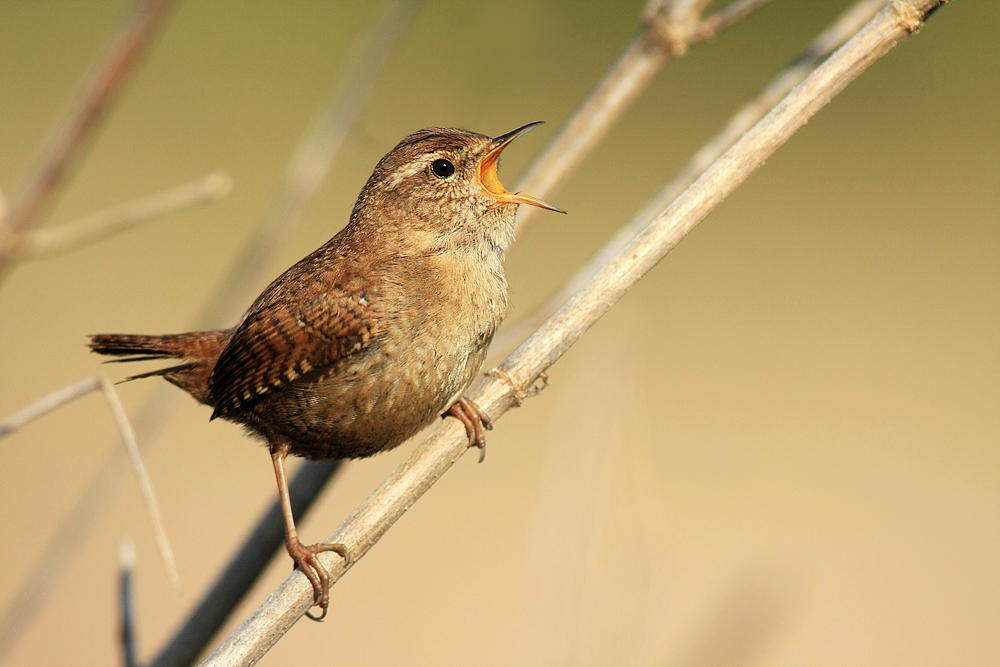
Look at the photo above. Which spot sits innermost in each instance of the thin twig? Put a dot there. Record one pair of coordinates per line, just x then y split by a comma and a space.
61, 397
726, 18
126, 566
90, 228
47, 404
512, 382
145, 483
224, 307
839, 31
670, 30
62, 153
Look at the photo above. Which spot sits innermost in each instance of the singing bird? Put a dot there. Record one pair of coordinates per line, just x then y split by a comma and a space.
367, 340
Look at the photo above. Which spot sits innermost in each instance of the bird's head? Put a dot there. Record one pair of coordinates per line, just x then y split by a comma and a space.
443, 182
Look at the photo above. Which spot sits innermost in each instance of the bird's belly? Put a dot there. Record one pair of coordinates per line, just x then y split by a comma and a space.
374, 401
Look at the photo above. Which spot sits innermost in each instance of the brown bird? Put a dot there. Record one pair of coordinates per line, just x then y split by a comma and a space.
360, 345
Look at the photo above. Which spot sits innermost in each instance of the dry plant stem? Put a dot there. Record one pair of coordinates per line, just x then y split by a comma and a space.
96, 226
840, 31
502, 389
224, 307
627, 78
126, 565
145, 483
67, 394
47, 404
90, 108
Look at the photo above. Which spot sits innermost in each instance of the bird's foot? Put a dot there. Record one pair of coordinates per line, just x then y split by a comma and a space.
474, 420
305, 559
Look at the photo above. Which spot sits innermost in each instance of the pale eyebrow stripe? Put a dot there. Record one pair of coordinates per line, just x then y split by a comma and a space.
408, 170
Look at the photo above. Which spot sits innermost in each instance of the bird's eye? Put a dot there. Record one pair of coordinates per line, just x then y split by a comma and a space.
442, 168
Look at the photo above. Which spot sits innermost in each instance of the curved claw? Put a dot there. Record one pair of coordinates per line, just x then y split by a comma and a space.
318, 619
474, 420
305, 559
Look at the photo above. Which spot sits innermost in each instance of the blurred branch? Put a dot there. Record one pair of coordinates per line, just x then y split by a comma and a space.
672, 27
47, 404
126, 565
508, 385
63, 150
839, 31
93, 227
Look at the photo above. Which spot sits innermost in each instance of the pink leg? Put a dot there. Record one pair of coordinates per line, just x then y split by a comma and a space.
304, 556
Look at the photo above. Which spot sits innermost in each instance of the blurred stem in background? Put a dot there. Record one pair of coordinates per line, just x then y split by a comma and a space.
68, 143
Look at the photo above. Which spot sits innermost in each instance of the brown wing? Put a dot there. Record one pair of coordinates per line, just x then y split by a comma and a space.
279, 342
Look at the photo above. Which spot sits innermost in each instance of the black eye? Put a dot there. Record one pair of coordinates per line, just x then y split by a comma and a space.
442, 168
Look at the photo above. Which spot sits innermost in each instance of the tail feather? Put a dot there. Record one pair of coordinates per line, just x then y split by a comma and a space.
131, 359
199, 349
165, 372
171, 346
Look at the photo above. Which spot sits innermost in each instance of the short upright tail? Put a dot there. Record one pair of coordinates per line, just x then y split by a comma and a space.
199, 349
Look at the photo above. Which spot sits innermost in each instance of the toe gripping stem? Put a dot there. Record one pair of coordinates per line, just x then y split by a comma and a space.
476, 423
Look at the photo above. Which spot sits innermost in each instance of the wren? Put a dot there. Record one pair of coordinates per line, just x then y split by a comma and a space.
367, 340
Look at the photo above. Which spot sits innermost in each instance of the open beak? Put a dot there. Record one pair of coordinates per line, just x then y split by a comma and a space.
488, 172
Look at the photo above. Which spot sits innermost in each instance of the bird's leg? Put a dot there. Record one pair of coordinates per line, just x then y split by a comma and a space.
474, 420
304, 556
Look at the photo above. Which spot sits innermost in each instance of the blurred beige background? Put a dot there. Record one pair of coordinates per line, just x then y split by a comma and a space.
781, 447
